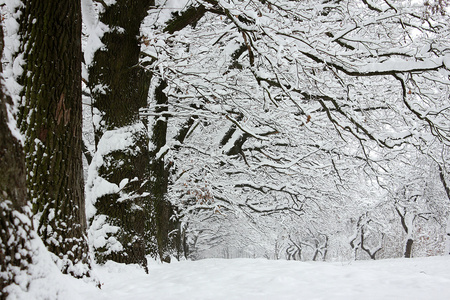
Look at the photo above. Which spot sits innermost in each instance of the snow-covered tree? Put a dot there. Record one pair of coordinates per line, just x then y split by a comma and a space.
15, 216
27, 269
49, 61
292, 99
118, 184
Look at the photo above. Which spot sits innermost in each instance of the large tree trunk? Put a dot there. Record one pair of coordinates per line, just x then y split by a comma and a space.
15, 222
122, 157
51, 121
137, 223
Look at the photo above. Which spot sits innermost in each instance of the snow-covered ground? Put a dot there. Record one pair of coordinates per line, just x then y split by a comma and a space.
417, 278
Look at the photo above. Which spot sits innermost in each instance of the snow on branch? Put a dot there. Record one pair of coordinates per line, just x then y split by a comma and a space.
388, 67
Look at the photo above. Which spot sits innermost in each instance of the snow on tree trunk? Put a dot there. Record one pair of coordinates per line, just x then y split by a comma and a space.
117, 197
15, 230
118, 182
26, 270
165, 226
50, 118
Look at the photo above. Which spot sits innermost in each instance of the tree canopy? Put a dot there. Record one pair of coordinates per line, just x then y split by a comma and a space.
307, 130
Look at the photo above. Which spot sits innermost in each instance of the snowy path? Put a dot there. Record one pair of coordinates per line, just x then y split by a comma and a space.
420, 278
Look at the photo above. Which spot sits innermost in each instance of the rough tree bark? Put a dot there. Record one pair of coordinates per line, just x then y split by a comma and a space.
116, 67
50, 119
119, 88
15, 222
165, 226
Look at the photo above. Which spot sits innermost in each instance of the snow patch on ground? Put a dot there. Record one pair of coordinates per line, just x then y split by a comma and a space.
44, 280
417, 278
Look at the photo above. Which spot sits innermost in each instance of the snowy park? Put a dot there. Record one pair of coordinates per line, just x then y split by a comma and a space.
262, 279
225, 149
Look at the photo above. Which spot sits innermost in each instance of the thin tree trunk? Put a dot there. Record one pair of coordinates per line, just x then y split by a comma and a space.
164, 219
408, 248
409, 240
447, 191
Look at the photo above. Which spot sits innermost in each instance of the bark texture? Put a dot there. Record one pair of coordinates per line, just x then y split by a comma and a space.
164, 224
15, 222
116, 66
119, 88
51, 122
143, 218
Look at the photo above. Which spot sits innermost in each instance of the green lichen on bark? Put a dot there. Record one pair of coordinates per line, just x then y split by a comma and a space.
50, 119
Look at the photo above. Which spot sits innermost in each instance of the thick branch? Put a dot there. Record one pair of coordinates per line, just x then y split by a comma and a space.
188, 17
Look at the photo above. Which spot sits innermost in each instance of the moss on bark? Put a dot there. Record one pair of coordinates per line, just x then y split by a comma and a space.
51, 118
